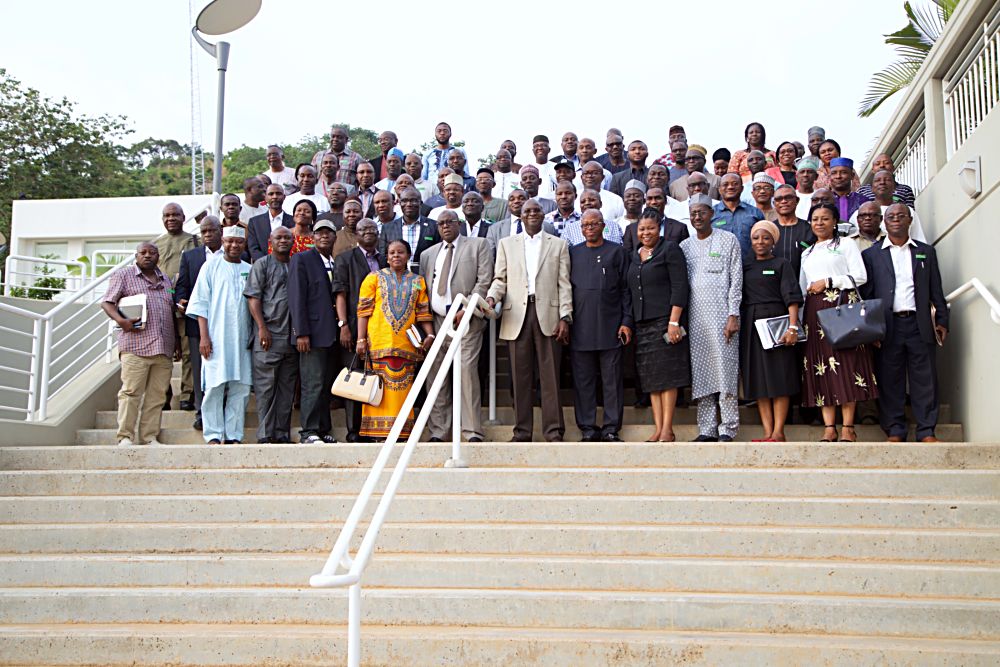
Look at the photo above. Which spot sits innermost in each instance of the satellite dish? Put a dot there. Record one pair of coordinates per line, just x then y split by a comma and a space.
222, 16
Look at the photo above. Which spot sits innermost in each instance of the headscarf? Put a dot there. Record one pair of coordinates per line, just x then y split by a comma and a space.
768, 227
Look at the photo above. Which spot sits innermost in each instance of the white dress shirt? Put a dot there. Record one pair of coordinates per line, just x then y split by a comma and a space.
902, 264
826, 260
513, 226
275, 220
532, 255
440, 303
802, 208
916, 229
322, 205
473, 231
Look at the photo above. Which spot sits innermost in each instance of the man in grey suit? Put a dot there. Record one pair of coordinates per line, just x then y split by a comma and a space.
457, 265
531, 278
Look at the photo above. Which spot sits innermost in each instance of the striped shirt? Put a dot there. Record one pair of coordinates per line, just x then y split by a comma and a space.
347, 165
157, 337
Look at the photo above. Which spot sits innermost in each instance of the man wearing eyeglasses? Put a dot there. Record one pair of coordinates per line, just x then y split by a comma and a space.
614, 159
694, 163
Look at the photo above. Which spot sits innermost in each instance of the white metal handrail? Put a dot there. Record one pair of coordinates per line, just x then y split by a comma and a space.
339, 556
983, 291
122, 253
974, 89
10, 270
32, 359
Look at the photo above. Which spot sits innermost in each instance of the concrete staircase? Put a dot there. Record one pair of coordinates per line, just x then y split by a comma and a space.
539, 554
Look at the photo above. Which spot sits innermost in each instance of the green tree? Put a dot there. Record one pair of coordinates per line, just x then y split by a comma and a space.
49, 150
913, 42
163, 166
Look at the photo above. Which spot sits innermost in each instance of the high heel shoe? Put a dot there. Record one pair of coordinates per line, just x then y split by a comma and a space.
853, 433
829, 427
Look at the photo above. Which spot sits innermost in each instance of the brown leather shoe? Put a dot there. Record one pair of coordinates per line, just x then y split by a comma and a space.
929, 438
894, 438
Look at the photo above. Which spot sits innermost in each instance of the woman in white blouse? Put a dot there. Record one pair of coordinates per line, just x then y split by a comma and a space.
833, 377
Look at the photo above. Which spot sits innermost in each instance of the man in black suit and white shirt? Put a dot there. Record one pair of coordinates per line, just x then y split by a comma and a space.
352, 267
420, 232
259, 227
191, 263
457, 265
904, 273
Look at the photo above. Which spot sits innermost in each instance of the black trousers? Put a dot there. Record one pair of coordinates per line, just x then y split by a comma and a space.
318, 369
905, 359
590, 367
196, 393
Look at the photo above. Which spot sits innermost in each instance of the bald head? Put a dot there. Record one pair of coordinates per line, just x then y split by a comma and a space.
173, 218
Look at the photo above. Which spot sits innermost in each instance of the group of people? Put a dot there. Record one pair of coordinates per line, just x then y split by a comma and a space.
620, 264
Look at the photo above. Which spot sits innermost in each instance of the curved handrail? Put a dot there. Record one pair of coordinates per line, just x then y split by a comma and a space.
339, 556
983, 291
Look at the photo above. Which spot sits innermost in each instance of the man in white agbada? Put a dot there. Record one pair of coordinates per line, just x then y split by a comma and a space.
224, 321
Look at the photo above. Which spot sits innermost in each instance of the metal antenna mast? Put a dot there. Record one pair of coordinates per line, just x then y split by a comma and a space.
197, 154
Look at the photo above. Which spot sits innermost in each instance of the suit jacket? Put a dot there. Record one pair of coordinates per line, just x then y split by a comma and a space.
310, 300
553, 290
471, 267
377, 166
392, 231
191, 263
259, 231
501, 230
679, 188
350, 269
620, 179
927, 289
673, 231
484, 229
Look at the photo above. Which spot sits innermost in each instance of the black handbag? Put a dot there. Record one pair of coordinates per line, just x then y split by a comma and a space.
852, 324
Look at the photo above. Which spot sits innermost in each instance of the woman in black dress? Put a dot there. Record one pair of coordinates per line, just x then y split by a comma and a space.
770, 289
657, 279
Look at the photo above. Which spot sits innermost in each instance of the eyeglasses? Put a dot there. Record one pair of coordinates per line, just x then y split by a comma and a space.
785, 198
867, 216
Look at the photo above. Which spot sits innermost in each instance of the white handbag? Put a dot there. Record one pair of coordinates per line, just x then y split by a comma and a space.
364, 385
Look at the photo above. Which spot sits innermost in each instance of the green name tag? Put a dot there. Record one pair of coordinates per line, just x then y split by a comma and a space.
768, 272
719, 223
803, 244
921, 256
428, 238
714, 254
833, 251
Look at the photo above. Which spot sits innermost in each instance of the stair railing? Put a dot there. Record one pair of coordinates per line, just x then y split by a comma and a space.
983, 291
339, 556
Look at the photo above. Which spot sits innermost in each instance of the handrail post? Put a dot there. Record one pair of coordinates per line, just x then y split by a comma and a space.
354, 625
36, 339
46, 358
492, 420
456, 399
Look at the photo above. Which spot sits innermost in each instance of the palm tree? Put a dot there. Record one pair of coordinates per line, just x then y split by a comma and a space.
912, 43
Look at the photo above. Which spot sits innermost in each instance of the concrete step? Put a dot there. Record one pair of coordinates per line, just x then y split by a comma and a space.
228, 645
636, 433
436, 508
982, 456
945, 618
422, 570
811, 482
468, 537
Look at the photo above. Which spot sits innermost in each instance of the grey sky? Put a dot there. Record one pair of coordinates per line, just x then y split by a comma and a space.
495, 70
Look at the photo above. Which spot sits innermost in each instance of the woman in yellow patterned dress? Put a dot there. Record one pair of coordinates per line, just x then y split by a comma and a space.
389, 303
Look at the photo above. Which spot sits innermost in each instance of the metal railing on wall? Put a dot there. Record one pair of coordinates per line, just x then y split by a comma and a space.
911, 157
972, 87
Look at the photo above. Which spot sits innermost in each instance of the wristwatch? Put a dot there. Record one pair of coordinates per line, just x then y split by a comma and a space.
341, 323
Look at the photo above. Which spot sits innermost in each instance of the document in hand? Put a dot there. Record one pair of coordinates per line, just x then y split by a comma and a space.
771, 329
132, 307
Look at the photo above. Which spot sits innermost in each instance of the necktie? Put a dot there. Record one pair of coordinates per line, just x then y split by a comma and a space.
519, 227
442, 287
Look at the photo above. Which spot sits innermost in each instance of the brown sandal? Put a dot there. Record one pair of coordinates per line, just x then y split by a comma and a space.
850, 426
829, 427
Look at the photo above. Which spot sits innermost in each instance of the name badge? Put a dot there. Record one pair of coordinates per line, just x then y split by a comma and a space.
719, 223
768, 272
833, 251
803, 244
714, 254
921, 256
428, 238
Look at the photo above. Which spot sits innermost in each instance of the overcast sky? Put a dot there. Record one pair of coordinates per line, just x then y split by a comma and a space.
494, 70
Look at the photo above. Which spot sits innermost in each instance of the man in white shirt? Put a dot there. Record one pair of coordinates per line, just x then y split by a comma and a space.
540, 149
454, 188
457, 265
253, 199
585, 152
505, 181
307, 178
592, 177
414, 166
277, 171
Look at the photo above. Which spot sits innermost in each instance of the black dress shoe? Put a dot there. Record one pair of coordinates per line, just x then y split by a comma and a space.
197, 423
215, 441
328, 439
475, 438
705, 438
233, 442
264, 441
520, 439
186, 406
725, 438
352, 437
611, 437
590, 437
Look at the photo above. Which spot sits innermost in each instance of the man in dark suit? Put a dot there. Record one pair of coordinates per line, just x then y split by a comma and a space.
191, 263
637, 154
351, 268
386, 142
420, 232
259, 227
904, 273
472, 208
670, 229
315, 329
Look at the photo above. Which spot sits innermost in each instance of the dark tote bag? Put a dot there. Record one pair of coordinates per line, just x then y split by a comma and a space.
852, 324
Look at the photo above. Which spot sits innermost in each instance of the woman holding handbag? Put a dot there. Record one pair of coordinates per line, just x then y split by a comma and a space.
832, 269
389, 303
770, 289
